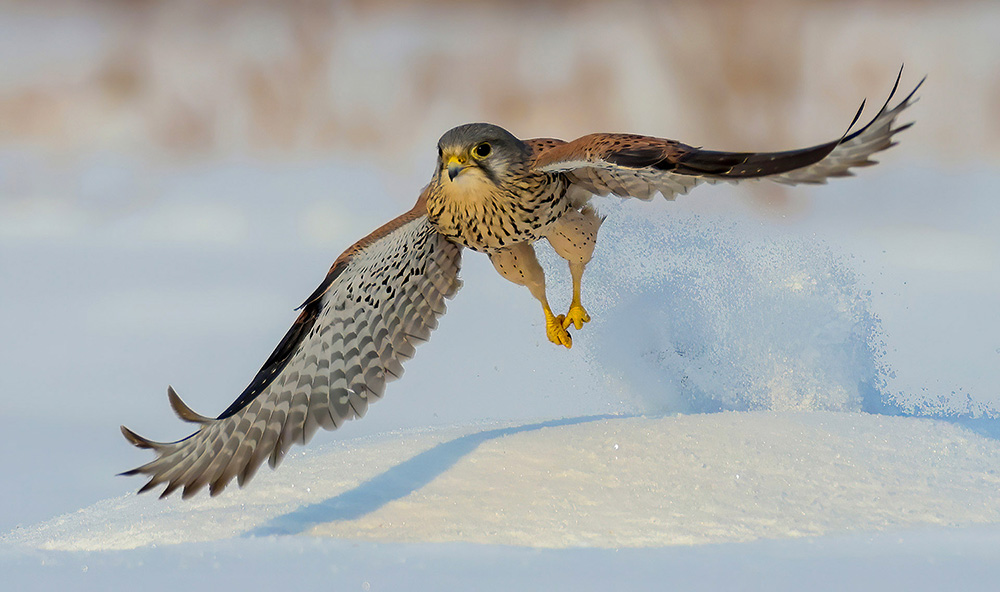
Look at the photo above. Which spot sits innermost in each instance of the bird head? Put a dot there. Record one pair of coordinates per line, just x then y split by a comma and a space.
478, 152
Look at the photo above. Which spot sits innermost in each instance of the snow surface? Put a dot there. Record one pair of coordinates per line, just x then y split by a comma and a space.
836, 380
920, 559
600, 481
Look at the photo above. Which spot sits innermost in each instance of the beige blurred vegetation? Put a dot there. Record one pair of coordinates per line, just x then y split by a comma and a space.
194, 80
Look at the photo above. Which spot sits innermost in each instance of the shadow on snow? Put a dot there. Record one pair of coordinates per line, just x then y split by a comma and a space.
399, 481
415, 473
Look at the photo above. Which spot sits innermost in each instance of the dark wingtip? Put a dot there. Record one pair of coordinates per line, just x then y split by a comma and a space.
912, 92
170, 488
190, 491
182, 410
137, 440
909, 100
857, 116
901, 128
149, 485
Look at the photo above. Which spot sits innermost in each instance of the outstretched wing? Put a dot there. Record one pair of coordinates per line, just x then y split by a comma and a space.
629, 165
381, 298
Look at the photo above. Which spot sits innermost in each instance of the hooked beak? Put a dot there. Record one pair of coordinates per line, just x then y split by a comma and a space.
455, 166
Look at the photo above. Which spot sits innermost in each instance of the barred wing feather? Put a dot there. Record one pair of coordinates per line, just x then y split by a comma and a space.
381, 298
629, 165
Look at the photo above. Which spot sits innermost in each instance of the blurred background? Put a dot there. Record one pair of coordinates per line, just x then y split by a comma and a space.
175, 177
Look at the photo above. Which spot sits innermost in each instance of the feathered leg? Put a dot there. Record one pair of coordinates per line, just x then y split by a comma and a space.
518, 264
573, 237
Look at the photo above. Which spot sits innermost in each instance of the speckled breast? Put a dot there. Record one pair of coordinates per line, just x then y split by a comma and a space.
496, 219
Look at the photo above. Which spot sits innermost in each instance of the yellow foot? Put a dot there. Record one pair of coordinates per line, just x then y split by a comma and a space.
556, 331
576, 316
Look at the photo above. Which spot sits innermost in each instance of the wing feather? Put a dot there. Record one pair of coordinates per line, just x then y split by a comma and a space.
380, 298
629, 165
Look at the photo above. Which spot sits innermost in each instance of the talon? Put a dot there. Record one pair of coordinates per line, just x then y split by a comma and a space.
576, 317
556, 331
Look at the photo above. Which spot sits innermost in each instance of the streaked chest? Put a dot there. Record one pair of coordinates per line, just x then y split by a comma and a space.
484, 216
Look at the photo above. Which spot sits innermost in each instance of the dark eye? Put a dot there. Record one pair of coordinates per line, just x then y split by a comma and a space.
482, 150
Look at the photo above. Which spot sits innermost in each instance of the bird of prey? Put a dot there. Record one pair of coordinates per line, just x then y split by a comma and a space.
492, 193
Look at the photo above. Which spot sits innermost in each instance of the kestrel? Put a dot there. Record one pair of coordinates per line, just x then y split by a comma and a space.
492, 193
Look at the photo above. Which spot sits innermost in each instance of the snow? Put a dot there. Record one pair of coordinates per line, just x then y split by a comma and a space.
611, 482
745, 384
920, 559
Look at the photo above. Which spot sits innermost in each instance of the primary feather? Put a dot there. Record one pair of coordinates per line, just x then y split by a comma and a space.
382, 298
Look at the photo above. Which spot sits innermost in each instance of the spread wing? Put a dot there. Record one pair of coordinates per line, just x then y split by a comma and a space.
630, 165
382, 297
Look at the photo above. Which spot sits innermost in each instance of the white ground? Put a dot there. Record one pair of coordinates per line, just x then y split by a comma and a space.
588, 482
836, 378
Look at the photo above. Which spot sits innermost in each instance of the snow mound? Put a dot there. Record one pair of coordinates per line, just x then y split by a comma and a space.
591, 481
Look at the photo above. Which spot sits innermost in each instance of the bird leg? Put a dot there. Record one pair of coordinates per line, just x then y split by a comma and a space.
573, 238
577, 315
518, 264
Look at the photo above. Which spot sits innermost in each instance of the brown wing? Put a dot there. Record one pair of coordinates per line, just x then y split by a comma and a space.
630, 165
382, 297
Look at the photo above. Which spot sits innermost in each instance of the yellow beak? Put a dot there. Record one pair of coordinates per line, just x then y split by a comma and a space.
456, 164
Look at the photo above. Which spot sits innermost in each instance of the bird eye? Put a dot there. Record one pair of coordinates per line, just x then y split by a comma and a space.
482, 150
